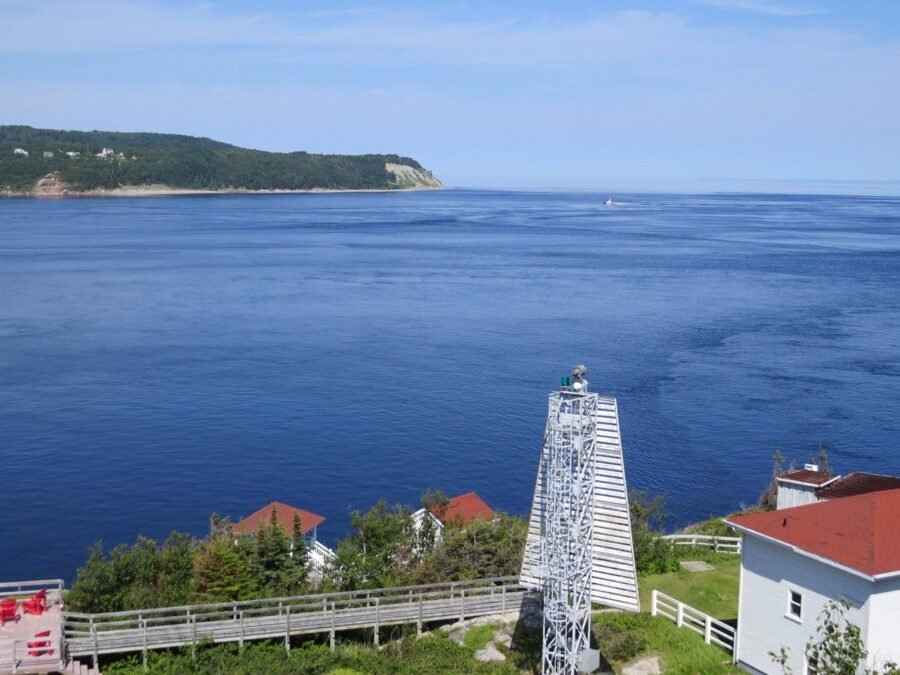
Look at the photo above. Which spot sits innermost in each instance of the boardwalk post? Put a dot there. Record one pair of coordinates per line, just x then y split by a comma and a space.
96, 648
193, 620
287, 629
376, 621
419, 622
241, 637
502, 597
331, 634
144, 634
653, 600
462, 604
63, 648
707, 630
679, 620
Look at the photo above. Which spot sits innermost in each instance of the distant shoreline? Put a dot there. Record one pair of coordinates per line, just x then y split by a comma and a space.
167, 191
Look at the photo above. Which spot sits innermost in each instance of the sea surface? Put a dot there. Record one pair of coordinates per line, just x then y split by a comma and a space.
162, 359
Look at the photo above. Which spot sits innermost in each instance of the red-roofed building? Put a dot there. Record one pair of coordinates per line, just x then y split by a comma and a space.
463, 509
284, 515
857, 483
459, 511
809, 485
795, 560
798, 486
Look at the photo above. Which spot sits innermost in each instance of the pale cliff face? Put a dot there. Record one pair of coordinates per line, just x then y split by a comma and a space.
408, 177
51, 186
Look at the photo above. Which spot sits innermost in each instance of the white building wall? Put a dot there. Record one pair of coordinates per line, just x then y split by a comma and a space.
883, 639
794, 494
419, 519
769, 571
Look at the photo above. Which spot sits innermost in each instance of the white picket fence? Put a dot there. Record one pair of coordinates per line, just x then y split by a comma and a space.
685, 616
721, 544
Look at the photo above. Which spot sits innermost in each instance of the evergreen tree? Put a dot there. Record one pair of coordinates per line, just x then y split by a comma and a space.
768, 500
222, 572
277, 571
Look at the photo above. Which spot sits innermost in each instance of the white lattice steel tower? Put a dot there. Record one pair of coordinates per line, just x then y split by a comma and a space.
579, 518
567, 527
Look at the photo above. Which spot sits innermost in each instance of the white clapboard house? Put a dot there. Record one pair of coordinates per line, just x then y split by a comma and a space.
811, 484
795, 560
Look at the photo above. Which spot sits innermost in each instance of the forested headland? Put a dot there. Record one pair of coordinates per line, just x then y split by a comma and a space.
53, 162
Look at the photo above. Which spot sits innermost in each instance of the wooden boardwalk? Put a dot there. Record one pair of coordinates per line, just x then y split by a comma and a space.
329, 613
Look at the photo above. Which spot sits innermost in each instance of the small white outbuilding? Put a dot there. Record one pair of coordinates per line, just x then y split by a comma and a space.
795, 560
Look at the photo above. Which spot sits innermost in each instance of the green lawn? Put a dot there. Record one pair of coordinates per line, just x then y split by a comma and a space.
714, 592
622, 637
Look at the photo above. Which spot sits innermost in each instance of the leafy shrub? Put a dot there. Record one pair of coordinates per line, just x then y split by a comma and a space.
652, 555
620, 641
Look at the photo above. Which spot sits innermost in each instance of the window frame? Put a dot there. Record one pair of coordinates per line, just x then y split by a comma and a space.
789, 609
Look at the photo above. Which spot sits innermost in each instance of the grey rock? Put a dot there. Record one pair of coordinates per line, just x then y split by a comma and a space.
489, 654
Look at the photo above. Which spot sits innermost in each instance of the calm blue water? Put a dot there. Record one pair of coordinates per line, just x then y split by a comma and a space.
162, 359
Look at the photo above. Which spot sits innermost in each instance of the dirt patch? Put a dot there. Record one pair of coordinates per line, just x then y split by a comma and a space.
646, 665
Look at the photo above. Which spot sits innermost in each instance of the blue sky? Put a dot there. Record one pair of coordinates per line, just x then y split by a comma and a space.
691, 94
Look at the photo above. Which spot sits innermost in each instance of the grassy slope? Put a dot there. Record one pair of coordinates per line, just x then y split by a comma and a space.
714, 592
681, 651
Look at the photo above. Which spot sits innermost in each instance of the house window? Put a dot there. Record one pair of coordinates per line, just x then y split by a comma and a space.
795, 605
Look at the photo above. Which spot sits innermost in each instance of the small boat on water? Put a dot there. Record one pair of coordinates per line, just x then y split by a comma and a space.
608, 202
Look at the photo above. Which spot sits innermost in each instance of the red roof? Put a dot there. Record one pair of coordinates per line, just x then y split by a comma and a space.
861, 532
858, 483
463, 509
285, 516
807, 476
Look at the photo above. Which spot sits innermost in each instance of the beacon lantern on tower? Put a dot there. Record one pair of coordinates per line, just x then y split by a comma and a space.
579, 548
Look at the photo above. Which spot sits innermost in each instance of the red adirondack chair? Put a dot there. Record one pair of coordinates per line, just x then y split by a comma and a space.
37, 604
8, 611
39, 647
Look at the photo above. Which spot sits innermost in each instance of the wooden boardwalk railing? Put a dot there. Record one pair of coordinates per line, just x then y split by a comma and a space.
118, 632
24, 589
44, 656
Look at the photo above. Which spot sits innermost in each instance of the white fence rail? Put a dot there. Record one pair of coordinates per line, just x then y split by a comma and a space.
721, 544
685, 616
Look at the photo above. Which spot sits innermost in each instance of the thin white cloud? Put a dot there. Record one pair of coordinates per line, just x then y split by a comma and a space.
643, 91
761, 7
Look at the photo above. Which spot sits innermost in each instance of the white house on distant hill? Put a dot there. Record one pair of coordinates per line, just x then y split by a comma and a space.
795, 560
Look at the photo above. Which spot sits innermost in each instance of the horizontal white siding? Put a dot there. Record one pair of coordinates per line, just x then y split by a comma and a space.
883, 641
768, 572
791, 494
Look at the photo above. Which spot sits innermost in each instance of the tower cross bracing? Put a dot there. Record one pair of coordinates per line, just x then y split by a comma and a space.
567, 530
